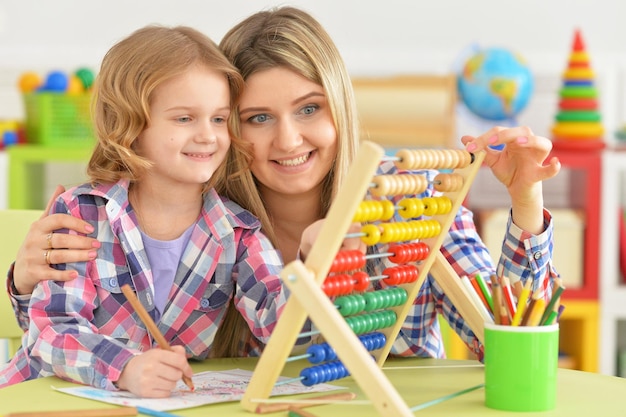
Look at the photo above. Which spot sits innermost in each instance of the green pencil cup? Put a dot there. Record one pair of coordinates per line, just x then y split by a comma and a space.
521, 365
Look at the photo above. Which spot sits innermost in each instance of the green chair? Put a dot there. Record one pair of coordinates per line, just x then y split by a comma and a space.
14, 225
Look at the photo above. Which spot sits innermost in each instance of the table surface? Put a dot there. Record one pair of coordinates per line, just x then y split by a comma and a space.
421, 380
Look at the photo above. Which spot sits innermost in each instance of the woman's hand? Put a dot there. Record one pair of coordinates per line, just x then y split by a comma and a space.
521, 166
42, 247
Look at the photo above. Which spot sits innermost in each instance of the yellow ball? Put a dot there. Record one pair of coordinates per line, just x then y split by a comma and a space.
29, 82
75, 85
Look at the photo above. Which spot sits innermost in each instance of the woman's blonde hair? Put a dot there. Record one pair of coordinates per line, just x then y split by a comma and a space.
291, 38
129, 74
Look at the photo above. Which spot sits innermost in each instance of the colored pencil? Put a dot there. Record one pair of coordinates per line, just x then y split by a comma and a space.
507, 294
553, 304
263, 408
297, 412
150, 325
109, 412
484, 289
474, 282
536, 313
475, 298
496, 289
154, 413
528, 311
521, 303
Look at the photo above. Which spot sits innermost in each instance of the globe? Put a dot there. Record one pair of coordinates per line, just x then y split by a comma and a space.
495, 84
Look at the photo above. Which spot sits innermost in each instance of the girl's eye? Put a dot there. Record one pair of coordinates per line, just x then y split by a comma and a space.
259, 118
310, 109
219, 120
184, 119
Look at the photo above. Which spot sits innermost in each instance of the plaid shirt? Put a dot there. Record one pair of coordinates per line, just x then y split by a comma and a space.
85, 330
524, 255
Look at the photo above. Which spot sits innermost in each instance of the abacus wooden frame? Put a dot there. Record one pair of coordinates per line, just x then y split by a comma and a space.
307, 298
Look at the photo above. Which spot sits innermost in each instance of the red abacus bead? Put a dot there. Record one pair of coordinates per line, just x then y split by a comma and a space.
361, 281
348, 260
400, 253
393, 275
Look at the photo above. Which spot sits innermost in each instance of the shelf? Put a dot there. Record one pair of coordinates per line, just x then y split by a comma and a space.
612, 288
584, 195
26, 171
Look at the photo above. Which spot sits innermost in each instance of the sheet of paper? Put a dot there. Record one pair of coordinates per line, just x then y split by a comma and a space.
211, 387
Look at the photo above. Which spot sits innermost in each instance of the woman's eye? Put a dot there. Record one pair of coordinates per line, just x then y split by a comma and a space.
259, 118
310, 109
219, 120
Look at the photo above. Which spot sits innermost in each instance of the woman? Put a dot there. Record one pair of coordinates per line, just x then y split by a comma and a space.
298, 112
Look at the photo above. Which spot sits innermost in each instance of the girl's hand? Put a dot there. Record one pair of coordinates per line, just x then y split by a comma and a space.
155, 373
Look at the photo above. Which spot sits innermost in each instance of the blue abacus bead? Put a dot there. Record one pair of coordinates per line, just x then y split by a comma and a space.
317, 353
331, 355
330, 371
379, 340
310, 376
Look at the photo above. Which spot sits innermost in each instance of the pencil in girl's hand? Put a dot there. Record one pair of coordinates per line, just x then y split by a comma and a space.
150, 325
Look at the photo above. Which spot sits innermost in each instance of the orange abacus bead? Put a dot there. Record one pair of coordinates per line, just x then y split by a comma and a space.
433, 158
398, 184
448, 182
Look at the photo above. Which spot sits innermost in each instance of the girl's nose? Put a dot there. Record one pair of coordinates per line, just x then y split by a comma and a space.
206, 132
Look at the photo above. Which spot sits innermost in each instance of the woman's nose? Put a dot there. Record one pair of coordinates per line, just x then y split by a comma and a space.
288, 136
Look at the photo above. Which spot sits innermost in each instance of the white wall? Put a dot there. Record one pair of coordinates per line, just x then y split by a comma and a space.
375, 37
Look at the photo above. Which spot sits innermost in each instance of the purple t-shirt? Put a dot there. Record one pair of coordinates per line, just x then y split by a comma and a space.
164, 256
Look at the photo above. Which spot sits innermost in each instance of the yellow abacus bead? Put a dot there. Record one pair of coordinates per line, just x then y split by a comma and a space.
389, 232
430, 206
360, 214
408, 208
445, 204
388, 210
372, 234
378, 209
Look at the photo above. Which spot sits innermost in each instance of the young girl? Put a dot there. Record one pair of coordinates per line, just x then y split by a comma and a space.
162, 106
298, 111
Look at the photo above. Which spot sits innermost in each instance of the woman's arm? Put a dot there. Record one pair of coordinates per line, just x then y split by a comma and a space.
30, 265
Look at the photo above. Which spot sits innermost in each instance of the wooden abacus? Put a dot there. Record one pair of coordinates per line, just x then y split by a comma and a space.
310, 297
